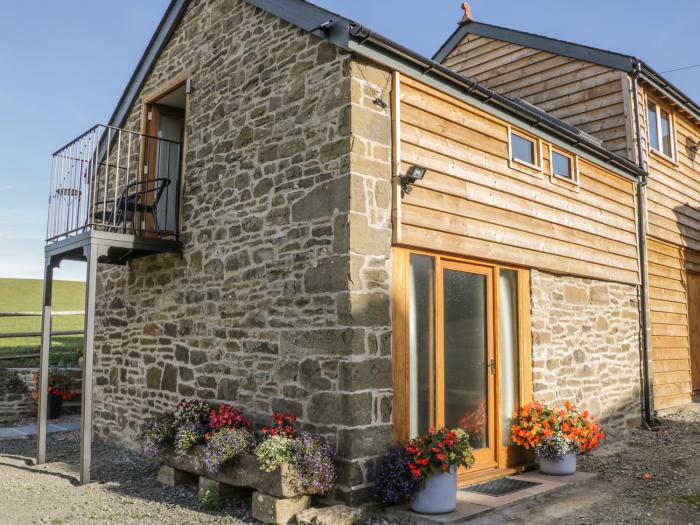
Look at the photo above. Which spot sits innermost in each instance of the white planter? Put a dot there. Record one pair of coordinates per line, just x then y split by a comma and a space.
561, 466
437, 494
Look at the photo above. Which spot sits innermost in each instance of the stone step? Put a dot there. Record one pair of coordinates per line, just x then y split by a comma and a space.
471, 505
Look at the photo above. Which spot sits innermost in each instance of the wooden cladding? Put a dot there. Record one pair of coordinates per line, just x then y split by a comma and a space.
672, 295
473, 202
588, 96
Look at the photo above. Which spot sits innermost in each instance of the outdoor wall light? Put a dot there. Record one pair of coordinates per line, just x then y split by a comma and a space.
414, 173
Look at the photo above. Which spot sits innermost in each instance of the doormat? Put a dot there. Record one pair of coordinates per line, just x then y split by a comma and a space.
500, 487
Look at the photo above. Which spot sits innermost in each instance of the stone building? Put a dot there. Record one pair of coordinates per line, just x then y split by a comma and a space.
360, 236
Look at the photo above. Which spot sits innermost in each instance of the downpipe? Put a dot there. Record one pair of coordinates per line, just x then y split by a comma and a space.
643, 262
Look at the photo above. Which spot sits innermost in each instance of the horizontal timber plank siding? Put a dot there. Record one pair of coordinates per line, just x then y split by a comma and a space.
668, 306
472, 202
585, 95
674, 185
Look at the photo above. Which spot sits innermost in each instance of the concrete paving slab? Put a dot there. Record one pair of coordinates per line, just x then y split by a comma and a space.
465, 511
72, 423
471, 505
10, 433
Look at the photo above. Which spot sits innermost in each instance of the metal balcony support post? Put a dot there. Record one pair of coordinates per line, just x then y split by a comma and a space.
43, 383
92, 253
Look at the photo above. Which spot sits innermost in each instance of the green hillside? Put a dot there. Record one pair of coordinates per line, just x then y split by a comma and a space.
25, 295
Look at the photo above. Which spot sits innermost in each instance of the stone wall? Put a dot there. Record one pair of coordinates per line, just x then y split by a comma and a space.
280, 300
16, 400
585, 347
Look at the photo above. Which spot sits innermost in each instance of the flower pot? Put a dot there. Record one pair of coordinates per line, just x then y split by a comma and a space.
437, 494
55, 404
561, 466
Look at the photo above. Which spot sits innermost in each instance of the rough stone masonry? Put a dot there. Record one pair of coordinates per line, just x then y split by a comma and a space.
585, 347
280, 300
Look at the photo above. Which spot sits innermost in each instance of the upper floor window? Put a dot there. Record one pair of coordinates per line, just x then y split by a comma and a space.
523, 149
562, 166
660, 130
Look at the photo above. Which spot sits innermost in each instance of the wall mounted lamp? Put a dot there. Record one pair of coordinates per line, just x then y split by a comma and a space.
414, 174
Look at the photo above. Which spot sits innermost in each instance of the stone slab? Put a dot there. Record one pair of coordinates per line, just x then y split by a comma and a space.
278, 511
465, 511
173, 477
471, 505
333, 515
244, 472
225, 490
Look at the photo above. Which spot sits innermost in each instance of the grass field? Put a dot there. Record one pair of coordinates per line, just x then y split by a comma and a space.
24, 295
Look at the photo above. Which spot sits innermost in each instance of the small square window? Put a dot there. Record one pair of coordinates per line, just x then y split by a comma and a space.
522, 149
562, 166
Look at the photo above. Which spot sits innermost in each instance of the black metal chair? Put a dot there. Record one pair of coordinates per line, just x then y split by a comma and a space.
134, 199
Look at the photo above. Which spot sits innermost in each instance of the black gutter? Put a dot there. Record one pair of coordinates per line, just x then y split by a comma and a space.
536, 119
657, 81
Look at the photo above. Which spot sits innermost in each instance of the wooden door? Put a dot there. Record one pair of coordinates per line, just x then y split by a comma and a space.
693, 284
465, 360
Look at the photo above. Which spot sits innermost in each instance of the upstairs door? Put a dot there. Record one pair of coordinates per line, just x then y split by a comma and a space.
164, 163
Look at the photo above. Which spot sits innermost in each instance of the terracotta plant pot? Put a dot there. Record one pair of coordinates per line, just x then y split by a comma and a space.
55, 404
562, 466
437, 494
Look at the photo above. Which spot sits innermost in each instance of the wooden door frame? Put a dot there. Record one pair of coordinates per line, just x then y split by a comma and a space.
485, 457
508, 458
149, 99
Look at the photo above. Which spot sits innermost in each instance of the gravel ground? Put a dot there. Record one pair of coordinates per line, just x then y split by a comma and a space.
651, 477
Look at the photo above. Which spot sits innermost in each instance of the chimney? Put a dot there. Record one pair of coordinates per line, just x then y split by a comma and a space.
467, 13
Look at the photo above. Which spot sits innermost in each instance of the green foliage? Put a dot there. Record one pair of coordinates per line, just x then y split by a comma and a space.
693, 500
24, 295
210, 499
273, 452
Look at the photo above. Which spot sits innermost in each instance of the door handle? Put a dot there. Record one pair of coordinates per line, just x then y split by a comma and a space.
492, 366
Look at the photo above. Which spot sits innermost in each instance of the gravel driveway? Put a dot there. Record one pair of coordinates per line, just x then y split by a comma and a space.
130, 494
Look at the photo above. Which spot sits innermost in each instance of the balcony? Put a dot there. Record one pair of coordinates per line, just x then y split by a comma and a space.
117, 190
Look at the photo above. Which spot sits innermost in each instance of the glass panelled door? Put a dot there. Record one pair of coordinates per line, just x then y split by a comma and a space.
452, 365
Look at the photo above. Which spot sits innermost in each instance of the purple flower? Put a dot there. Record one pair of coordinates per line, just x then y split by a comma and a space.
227, 444
313, 462
158, 434
394, 482
188, 435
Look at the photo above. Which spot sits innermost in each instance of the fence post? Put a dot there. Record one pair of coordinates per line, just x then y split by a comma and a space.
43, 383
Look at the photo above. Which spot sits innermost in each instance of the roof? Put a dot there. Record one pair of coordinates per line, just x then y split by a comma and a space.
354, 37
611, 59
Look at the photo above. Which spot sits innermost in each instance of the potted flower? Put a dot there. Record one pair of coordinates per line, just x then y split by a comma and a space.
556, 436
309, 458
434, 459
60, 390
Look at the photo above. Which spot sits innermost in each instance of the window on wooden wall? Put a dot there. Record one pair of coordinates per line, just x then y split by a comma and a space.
660, 130
563, 166
525, 151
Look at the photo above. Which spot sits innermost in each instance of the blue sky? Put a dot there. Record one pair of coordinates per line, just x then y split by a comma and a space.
66, 62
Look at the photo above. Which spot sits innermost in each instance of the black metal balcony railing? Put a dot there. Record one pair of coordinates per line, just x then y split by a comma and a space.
115, 180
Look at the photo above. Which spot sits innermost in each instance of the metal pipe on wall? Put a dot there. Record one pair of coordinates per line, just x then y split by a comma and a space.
643, 263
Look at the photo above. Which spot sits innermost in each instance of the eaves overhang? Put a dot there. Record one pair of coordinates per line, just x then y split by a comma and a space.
385, 51
354, 37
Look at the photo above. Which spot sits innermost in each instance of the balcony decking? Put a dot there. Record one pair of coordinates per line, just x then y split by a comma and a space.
117, 191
